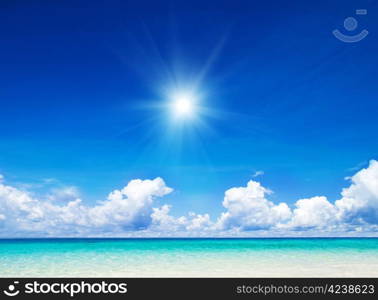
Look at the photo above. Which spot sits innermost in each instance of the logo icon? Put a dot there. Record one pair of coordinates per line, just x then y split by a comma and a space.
12, 290
350, 24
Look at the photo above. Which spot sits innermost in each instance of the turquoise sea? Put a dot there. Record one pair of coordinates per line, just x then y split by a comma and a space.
296, 257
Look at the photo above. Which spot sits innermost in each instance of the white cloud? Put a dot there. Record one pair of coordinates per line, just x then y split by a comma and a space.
198, 222
131, 207
132, 211
163, 221
313, 212
127, 209
359, 202
248, 208
357, 207
64, 194
258, 173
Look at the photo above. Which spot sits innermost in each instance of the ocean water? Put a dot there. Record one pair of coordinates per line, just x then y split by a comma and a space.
315, 257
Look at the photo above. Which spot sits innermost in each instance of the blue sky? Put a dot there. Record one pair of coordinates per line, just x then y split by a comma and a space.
84, 84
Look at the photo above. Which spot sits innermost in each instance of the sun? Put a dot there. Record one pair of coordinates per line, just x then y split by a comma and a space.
183, 105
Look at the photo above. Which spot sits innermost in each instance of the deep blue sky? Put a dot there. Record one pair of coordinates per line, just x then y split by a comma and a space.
78, 78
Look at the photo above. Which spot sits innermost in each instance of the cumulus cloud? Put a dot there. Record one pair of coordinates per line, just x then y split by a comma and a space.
163, 221
64, 194
132, 211
313, 212
127, 209
248, 208
131, 207
359, 202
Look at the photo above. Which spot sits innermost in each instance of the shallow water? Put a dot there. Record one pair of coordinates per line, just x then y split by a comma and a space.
189, 257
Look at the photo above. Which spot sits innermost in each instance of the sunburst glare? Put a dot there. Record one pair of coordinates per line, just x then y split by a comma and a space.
183, 105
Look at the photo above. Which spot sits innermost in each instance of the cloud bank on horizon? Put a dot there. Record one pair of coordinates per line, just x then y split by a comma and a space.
131, 211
